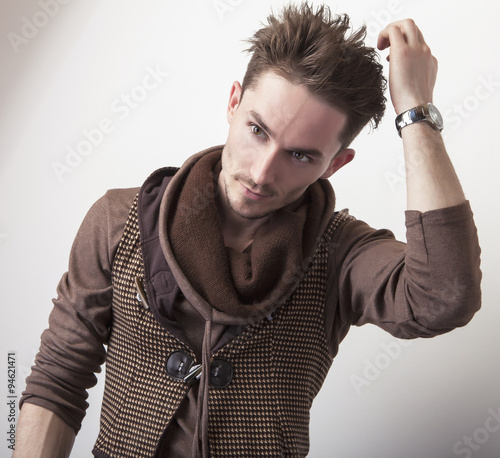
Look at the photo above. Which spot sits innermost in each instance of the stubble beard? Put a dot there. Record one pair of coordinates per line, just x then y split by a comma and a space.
238, 207
246, 203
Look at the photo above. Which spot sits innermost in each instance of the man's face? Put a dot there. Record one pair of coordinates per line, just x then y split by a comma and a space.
282, 138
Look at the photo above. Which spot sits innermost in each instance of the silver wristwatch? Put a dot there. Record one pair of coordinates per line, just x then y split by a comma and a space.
427, 113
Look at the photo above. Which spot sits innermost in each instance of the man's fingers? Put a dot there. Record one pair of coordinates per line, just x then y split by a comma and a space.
400, 32
390, 36
383, 40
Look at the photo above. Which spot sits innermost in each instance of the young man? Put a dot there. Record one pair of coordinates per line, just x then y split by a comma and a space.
223, 290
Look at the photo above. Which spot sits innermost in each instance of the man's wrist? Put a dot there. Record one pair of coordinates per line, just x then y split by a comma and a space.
424, 113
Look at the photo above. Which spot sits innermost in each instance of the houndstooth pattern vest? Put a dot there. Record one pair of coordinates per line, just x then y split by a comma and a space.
279, 366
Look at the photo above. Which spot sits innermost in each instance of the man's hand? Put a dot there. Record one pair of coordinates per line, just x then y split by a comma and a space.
412, 69
431, 181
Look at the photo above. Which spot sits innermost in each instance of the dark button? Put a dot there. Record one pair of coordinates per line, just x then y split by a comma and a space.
221, 373
178, 365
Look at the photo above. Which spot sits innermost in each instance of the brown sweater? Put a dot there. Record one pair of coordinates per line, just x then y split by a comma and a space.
405, 289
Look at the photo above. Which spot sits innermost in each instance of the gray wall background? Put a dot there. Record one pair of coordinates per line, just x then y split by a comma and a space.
67, 134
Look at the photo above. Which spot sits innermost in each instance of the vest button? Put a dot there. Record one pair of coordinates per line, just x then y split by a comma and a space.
178, 365
221, 373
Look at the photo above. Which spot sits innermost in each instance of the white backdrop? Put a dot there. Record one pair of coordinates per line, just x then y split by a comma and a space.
79, 115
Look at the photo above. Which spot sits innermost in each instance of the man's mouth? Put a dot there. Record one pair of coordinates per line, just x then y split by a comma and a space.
253, 193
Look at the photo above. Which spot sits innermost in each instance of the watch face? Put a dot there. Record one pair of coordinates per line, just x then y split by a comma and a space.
435, 115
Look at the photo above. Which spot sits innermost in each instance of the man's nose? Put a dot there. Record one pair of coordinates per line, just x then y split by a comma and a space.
265, 167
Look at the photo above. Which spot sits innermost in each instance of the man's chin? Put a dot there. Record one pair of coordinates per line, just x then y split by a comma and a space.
249, 213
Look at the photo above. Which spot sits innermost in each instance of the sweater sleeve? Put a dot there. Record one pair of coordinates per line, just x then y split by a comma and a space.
72, 348
423, 288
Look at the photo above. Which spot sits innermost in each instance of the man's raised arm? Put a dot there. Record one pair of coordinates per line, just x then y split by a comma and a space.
430, 177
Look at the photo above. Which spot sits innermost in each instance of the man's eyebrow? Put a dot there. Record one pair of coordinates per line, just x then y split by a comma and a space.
262, 124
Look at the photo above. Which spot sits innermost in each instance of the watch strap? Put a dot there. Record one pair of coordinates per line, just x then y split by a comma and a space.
418, 114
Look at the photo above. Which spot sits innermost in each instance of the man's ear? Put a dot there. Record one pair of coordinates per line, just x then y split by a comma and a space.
341, 158
234, 100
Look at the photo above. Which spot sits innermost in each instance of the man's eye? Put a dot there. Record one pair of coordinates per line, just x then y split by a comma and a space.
300, 156
256, 130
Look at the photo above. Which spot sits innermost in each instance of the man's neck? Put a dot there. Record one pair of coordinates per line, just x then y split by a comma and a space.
238, 232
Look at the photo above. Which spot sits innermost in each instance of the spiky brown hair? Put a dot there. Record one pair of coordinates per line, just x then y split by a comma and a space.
313, 48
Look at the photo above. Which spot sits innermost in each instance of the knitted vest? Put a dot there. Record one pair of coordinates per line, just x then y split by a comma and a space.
279, 366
